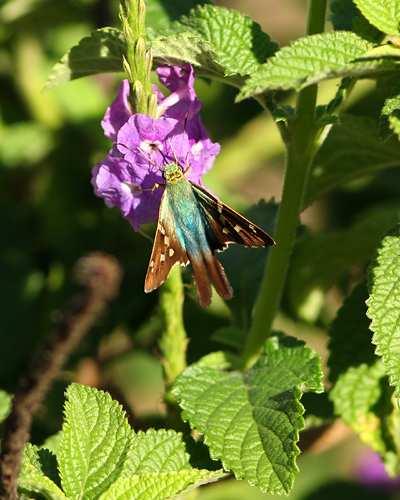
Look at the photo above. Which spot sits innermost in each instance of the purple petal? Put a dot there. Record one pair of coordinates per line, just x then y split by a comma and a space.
182, 103
127, 188
118, 113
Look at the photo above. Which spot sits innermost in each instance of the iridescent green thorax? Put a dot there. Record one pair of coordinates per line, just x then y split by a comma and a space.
172, 173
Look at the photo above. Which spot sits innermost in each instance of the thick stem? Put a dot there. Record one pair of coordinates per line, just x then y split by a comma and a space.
299, 155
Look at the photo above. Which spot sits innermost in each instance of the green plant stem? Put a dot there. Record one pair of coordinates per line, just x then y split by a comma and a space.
299, 155
173, 342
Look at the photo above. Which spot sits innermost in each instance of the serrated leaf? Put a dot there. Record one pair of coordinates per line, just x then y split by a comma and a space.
352, 150
383, 307
158, 486
238, 42
349, 335
156, 451
354, 246
100, 52
5, 405
384, 14
217, 41
33, 480
312, 59
251, 420
186, 47
358, 397
95, 442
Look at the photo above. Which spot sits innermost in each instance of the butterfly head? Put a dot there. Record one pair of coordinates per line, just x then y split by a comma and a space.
172, 173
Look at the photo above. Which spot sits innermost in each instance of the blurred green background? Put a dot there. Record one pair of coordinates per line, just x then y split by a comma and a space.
49, 217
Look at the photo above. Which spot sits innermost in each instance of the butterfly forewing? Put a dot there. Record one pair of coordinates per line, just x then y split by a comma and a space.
166, 252
226, 226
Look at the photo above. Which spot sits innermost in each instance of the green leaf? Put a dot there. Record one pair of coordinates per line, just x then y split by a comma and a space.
158, 486
5, 405
383, 306
100, 52
157, 466
239, 44
186, 47
32, 478
312, 59
352, 150
217, 41
361, 400
309, 276
95, 442
156, 451
384, 14
251, 420
349, 335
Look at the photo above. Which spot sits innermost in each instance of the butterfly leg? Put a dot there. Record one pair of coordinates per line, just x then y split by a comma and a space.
154, 187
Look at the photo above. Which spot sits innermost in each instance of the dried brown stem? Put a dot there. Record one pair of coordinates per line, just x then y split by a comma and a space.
100, 275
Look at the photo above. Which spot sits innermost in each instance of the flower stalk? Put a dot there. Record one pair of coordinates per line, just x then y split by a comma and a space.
300, 151
137, 61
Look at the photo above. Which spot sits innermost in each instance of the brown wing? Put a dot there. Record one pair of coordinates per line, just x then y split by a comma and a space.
226, 226
167, 251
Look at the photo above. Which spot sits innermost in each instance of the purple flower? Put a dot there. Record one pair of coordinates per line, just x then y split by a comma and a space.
127, 177
371, 472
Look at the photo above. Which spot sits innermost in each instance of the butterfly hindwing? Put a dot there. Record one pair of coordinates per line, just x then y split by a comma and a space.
167, 251
226, 226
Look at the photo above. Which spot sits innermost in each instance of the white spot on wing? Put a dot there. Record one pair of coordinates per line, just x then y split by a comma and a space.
166, 241
162, 258
237, 228
171, 252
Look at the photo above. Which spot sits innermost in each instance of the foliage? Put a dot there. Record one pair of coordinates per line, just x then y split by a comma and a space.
100, 456
173, 411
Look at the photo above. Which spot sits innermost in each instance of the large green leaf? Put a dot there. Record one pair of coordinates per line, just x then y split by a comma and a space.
383, 306
94, 444
352, 150
310, 276
156, 451
384, 14
239, 44
158, 467
251, 421
33, 480
158, 486
319, 57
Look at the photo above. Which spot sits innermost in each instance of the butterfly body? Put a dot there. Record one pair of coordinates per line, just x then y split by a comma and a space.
192, 226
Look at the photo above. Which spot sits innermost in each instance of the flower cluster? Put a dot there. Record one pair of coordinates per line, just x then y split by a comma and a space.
142, 145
